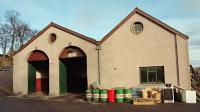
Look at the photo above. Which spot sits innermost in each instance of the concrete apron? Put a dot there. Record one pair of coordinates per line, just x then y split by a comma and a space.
74, 97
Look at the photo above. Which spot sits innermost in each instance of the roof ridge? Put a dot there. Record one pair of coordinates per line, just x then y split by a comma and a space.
74, 32
142, 12
52, 24
93, 41
147, 16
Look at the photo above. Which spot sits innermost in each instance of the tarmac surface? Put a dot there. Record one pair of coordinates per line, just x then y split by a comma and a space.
74, 103
5, 77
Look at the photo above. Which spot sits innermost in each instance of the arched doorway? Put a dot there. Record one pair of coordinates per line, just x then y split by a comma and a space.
73, 70
38, 72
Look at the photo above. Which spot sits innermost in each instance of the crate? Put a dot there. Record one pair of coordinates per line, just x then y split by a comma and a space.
144, 101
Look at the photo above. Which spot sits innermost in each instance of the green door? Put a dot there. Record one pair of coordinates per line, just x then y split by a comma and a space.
31, 78
63, 77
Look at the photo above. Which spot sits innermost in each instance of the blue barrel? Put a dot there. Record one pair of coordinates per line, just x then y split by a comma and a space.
137, 92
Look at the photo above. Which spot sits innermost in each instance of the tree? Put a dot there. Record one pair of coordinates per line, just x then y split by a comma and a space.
4, 38
15, 32
12, 18
23, 31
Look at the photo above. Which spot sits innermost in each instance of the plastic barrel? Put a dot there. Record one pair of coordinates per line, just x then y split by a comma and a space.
103, 95
96, 95
111, 95
119, 95
89, 95
127, 95
137, 92
134, 92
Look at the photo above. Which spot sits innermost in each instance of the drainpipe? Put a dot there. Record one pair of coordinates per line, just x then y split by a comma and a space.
177, 60
98, 48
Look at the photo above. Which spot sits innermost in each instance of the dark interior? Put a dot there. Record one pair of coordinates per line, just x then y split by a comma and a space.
76, 74
43, 68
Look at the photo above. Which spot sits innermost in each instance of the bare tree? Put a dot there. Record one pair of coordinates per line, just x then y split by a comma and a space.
12, 18
33, 33
23, 30
4, 39
18, 31
24, 33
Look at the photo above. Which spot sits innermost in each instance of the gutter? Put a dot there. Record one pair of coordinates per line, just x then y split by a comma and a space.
177, 62
98, 48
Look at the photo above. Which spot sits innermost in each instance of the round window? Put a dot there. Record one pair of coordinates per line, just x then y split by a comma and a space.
52, 38
137, 27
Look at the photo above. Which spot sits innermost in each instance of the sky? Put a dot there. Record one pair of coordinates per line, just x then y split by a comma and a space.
95, 18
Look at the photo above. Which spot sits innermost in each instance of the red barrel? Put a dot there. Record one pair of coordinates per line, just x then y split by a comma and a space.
111, 96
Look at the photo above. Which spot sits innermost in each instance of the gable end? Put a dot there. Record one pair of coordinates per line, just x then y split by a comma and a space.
147, 16
93, 41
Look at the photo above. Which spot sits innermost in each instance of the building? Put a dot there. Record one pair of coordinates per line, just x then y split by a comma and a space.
139, 51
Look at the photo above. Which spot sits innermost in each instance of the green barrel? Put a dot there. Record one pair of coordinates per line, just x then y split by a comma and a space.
119, 95
96, 95
89, 95
127, 95
103, 95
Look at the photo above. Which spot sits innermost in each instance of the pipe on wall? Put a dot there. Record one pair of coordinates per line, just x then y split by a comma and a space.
98, 48
177, 61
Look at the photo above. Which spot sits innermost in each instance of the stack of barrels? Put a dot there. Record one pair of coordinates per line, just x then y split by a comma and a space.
118, 95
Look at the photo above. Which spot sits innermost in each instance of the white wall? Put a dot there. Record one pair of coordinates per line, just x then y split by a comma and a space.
124, 52
20, 72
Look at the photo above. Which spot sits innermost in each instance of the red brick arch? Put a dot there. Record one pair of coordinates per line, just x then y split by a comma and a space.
38, 55
71, 49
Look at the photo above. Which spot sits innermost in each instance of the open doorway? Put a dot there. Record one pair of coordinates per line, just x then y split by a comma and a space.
38, 72
73, 70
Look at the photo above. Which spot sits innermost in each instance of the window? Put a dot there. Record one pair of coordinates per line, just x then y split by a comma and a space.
137, 27
152, 75
52, 38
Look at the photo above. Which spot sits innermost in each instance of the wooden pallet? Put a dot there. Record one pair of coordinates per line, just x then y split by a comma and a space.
144, 101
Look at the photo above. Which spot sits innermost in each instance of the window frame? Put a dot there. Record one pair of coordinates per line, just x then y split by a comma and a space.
147, 76
134, 25
52, 38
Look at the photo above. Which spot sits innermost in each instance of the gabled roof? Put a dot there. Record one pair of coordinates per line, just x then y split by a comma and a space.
147, 16
93, 41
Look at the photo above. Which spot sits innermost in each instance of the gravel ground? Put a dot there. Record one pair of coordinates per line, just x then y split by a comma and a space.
74, 103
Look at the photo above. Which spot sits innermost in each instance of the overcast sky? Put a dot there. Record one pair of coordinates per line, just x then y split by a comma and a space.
95, 18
